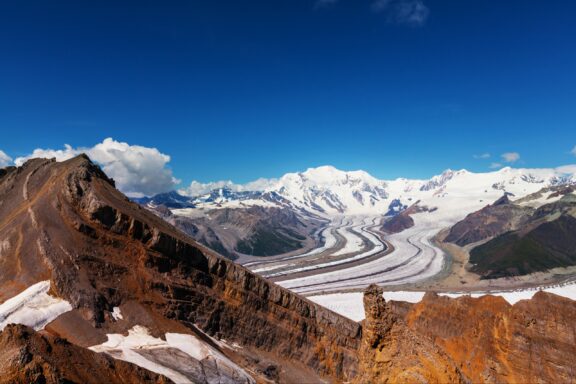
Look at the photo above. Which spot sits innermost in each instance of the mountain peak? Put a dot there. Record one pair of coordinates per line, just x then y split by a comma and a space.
330, 175
63, 223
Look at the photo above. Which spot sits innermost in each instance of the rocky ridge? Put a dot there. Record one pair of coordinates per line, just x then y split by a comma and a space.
101, 251
120, 266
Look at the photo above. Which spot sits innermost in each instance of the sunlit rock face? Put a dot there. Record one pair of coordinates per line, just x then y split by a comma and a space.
96, 271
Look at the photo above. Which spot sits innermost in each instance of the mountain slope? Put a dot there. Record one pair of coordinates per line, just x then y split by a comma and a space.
500, 217
251, 230
101, 252
544, 240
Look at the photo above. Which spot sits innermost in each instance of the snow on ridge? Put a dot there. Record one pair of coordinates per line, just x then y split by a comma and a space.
204, 362
328, 191
33, 307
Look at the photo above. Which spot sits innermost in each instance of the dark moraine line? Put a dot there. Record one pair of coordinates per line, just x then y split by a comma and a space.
361, 286
288, 275
389, 269
388, 248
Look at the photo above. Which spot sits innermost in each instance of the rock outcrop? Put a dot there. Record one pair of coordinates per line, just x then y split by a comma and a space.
492, 341
404, 220
393, 353
27, 356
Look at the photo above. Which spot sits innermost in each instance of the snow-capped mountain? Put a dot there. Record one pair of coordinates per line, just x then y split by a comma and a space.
327, 191
170, 199
440, 180
225, 194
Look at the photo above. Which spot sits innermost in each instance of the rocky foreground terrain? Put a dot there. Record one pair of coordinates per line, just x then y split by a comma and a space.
106, 291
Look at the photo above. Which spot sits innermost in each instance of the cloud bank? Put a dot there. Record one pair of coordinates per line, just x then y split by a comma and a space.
196, 188
137, 170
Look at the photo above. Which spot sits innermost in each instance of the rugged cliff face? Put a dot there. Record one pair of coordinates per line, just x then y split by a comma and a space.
485, 340
492, 341
393, 353
65, 222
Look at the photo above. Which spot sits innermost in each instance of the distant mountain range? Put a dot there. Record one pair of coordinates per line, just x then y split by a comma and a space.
327, 191
288, 215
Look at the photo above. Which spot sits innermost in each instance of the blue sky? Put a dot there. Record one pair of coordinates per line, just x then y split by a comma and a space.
238, 90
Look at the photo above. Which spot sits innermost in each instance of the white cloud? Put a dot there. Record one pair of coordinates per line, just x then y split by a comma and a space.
573, 151
495, 165
567, 169
196, 188
60, 155
482, 156
5, 160
413, 12
137, 170
510, 157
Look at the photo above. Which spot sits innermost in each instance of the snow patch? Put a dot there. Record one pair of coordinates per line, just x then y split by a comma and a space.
212, 366
33, 307
116, 314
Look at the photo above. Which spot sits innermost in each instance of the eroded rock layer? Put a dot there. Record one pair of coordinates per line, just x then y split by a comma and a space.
492, 341
65, 222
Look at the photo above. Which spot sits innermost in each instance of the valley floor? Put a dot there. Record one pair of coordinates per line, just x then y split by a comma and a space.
354, 253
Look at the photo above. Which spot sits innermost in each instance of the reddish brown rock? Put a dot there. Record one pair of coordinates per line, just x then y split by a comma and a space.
65, 222
490, 340
392, 353
29, 357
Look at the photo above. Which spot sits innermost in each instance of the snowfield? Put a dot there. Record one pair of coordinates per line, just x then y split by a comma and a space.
33, 307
